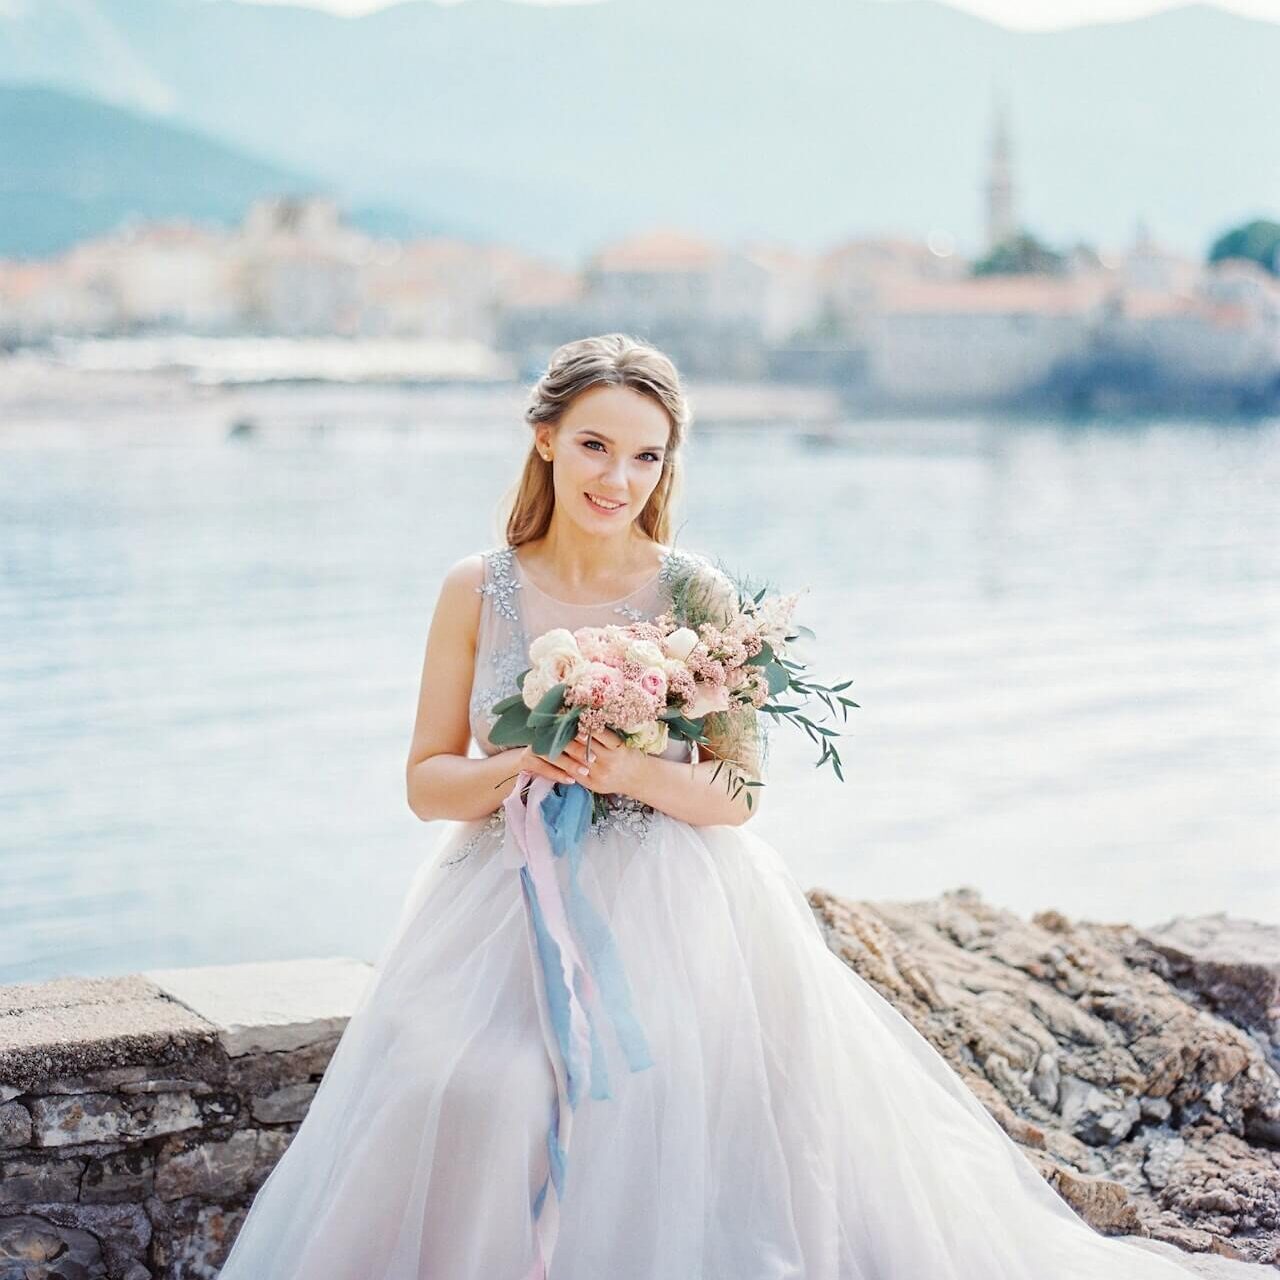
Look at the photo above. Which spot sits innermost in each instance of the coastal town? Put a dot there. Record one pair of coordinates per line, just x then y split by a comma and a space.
889, 323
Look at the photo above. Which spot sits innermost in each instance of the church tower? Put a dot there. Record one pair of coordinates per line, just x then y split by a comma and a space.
1000, 219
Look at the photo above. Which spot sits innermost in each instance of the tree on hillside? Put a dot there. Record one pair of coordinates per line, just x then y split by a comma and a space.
1259, 241
1020, 254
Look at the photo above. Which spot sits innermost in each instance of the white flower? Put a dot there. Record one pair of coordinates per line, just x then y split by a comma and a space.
534, 688
651, 738
679, 644
645, 652
773, 619
556, 657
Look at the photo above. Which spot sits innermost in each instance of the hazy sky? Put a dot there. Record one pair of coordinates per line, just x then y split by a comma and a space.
1023, 14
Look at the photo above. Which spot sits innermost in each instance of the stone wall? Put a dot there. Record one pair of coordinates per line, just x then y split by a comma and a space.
138, 1115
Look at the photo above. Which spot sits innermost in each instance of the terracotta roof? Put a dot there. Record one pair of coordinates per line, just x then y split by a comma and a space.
659, 250
1048, 295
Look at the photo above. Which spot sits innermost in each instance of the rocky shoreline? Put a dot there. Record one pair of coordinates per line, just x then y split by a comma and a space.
1136, 1068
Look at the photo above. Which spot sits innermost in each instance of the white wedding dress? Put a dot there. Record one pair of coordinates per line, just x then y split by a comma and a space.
789, 1121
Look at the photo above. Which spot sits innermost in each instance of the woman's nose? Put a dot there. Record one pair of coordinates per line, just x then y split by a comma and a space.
616, 472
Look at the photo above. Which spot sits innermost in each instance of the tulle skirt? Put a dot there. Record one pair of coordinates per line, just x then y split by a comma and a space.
791, 1123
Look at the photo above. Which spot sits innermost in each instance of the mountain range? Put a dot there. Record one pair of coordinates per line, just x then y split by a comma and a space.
557, 127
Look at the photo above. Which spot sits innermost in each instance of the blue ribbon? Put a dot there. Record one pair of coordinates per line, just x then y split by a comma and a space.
566, 816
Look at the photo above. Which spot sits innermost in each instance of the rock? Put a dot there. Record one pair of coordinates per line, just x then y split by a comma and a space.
66, 1029
272, 1144
214, 1170
94, 1117
1231, 966
34, 1249
1095, 1117
198, 1237
15, 1125
26, 1181
124, 1227
289, 1103
124, 1177
1163, 1155
1148, 1111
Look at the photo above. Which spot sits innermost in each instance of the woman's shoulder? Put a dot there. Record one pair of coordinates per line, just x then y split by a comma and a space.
472, 572
467, 580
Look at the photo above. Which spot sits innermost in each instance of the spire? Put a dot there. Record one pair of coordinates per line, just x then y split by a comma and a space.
1000, 220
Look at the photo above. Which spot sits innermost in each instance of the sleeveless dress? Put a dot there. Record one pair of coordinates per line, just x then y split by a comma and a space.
790, 1123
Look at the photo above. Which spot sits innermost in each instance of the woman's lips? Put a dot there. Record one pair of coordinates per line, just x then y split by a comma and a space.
604, 511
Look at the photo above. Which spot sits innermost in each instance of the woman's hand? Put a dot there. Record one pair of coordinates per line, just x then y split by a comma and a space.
608, 767
559, 770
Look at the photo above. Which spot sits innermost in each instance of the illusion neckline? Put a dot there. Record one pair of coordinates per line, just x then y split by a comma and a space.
594, 604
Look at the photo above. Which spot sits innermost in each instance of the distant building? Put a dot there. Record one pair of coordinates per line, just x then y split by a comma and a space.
1001, 219
173, 275
981, 340
854, 277
707, 305
301, 268
1217, 342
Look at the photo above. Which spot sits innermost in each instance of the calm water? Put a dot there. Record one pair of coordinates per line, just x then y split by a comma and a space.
1063, 637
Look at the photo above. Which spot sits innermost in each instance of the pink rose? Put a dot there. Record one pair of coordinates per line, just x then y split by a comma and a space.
709, 698
654, 681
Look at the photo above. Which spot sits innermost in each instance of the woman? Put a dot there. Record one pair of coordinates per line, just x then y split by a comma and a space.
779, 1119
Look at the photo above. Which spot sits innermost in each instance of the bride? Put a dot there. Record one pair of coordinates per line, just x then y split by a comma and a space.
771, 1116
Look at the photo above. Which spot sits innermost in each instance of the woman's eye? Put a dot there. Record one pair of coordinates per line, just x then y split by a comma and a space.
589, 443
653, 457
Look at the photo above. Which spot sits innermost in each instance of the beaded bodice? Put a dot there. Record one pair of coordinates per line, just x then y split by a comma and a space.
516, 611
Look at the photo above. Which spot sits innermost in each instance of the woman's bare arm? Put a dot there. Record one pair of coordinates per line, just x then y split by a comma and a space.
441, 780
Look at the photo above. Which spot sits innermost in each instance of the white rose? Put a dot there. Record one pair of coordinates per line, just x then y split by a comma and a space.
557, 640
679, 644
645, 652
650, 738
534, 689
556, 657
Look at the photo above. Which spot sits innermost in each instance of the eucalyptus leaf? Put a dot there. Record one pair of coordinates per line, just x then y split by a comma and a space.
565, 730
511, 729
778, 678
549, 706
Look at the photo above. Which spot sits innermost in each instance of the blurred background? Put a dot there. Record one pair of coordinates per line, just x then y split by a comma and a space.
978, 311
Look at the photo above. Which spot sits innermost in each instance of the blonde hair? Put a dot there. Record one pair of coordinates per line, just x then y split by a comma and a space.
610, 359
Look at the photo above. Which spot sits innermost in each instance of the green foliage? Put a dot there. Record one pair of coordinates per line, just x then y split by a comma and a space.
739, 736
1021, 254
1258, 241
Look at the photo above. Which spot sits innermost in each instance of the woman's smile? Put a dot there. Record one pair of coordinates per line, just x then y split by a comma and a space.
606, 506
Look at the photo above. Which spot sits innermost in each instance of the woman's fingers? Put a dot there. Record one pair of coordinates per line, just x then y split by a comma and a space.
576, 760
578, 752
547, 769
602, 738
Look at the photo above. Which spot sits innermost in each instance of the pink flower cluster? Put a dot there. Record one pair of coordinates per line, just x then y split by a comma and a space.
623, 677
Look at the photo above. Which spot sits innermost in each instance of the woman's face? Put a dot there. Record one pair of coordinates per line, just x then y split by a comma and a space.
607, 455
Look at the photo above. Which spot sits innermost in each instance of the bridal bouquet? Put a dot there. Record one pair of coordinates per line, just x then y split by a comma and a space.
705, 671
